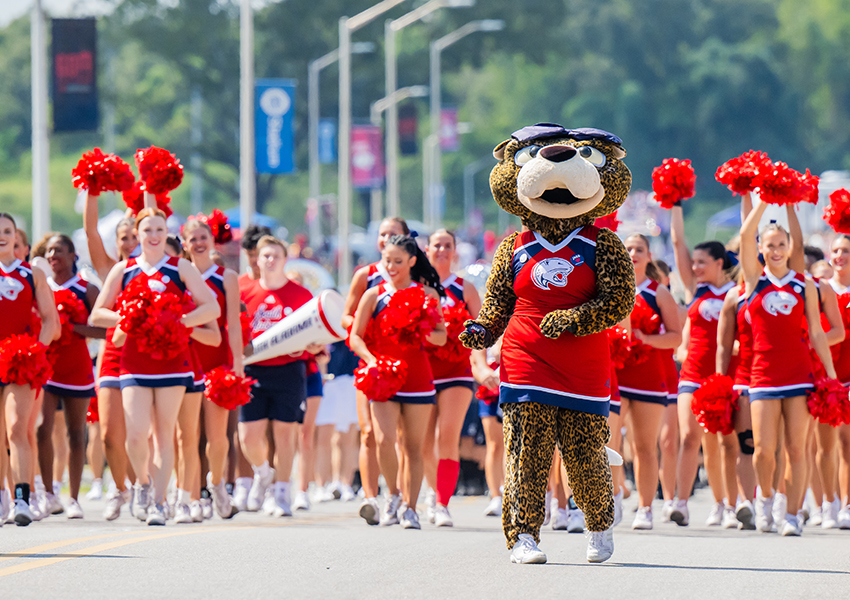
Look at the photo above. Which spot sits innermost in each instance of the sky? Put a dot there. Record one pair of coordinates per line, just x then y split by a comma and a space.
12, 9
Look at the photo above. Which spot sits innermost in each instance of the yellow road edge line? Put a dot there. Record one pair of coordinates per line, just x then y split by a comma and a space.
44, 562
61, 543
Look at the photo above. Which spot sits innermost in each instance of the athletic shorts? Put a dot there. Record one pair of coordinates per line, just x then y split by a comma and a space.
280, 393
453, 383
490, 409
339, 403
314, 384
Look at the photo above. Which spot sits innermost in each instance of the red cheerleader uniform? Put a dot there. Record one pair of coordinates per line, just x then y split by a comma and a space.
73, 372
703, 314
568, 372
782, 367
419, 386
646, 381
671, 376
841, 352
216, 356
744, 335
17, 298
110, 364
376, 275
138, 368
452, 374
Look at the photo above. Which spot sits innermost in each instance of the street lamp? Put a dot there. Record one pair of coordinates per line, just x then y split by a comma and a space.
388, 103
314, 69
347, 26
391, 27
247, 183
434, 175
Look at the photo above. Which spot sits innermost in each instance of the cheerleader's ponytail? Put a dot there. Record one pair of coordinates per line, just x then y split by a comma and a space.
422, 272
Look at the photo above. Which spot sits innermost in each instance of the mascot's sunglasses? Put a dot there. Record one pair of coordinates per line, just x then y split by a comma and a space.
551, 130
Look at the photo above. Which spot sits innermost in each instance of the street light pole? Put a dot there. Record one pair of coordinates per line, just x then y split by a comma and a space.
469, 172
247, 181
391, 27
40, 147
435, 194
348, 25
386, 104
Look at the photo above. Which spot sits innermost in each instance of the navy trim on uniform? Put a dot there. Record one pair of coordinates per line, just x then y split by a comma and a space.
584, 247
428, 398
64, 392
457, 382
529, 251
490, 409
109, 382
158, 381
779, 393
526, 393
688, 387
644, 396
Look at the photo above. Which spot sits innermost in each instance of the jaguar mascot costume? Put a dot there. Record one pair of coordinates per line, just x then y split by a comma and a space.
554, 289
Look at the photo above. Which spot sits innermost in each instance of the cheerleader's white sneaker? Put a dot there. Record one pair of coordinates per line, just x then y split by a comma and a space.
74, 510
525, 551
494, 509
715, 517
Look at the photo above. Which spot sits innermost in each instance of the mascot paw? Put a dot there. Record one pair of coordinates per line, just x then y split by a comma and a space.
476, 336
555, 323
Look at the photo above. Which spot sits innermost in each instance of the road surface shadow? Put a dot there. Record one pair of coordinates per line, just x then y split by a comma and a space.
39, 555
705, 568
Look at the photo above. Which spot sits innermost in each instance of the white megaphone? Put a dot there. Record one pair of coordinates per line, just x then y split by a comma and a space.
317, 322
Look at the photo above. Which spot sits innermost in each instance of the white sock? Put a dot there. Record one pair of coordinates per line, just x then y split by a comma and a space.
182, 497
244, 482
262, 470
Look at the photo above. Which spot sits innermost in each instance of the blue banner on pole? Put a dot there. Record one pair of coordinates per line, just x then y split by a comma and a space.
327, 141
274, 108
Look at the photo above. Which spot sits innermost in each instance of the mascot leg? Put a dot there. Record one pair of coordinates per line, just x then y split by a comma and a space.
582, 438
530, 436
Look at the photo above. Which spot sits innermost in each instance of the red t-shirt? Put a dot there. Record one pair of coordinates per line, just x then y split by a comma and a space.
267, 307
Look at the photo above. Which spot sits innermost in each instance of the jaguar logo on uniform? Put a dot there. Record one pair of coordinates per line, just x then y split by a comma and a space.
10, 288
551, 271
780, 302
156, 285
710, 309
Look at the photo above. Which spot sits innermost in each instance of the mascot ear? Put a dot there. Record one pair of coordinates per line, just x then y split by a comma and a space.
499, 151
619, 152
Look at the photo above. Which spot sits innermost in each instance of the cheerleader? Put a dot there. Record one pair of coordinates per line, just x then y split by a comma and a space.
840, 282
644, 385
778, 299
224, 285
72, 382
705, 276
364, 279
20, 288
409, 411
453, 382
152, 390
109, 406
735, 339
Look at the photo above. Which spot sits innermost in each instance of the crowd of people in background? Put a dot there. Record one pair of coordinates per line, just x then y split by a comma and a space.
762, 308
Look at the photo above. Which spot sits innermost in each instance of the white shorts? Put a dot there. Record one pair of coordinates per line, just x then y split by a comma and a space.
339, 403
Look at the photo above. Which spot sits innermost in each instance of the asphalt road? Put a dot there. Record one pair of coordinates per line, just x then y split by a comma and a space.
328, 552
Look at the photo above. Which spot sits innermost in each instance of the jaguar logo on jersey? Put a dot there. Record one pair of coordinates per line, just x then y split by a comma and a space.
551, 271
156, 285
710, 309
10, 288
777, 303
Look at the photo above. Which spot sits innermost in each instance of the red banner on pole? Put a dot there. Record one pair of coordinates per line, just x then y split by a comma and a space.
367, 156
449, 140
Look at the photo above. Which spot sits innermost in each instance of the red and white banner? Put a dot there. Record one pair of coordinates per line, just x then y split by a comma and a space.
449, 140
367, 156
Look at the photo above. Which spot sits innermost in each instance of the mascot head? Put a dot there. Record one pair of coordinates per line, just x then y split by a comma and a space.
558, 179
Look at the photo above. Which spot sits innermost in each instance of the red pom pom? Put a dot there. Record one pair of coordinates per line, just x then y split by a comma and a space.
610, 221
71, 311
714, 404
452, 351
411, 315
783, 185
383, 381
487, 395
621, 346
98, 172
644, 318
92, 415
226, 389
24, 361
837, 214
673, 181
159, 169
153, 320
829, 402
135, 200
217, 222
744, 173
